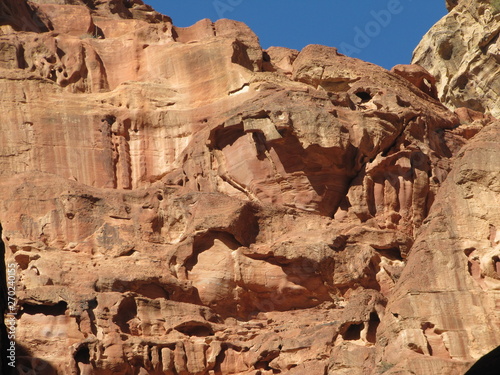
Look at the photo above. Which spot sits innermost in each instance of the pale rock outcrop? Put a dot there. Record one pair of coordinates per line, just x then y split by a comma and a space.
462, 52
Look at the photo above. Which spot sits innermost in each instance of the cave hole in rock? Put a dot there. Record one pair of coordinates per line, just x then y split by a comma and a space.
51, 59
110, 119
82, 355
353, 333
128, 253
394, 253
157, 223
445, 50
371, 335
127, 310
52, 75
23, 260
364, 96
462, 81
54, 310
198, 329
22, 63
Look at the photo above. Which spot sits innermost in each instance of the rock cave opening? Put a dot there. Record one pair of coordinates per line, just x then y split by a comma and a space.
353, 333
57, 309
371, 335
364, 96
126, 312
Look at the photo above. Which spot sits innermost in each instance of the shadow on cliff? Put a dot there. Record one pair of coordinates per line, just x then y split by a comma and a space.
23, 361
489, 364
21, 16
320, 165
26, 364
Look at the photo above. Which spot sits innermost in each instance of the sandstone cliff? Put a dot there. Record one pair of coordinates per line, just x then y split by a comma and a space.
463, 52
179, 201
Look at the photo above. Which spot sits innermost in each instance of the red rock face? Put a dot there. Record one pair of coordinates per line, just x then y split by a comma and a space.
179, 201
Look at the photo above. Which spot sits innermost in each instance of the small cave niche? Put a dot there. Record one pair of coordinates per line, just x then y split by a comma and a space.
23, 260
364, 96
126, 312
157, 224
198, 329
353, 333
54, 310
445, 50
266, 57
110, 119
82, 355
462, 81
393, 253
371, 335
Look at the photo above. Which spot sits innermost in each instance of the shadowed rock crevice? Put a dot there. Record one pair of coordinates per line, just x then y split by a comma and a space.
127, 310
59, 308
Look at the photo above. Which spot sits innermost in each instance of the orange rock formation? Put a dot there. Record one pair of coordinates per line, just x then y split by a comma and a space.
179, 201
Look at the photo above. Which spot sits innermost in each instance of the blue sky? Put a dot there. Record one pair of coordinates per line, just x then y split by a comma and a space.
383, 32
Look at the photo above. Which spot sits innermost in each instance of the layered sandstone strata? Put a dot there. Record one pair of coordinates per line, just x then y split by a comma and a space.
179, 201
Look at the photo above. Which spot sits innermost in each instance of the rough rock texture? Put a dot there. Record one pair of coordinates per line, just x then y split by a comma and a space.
463, 52
180, 202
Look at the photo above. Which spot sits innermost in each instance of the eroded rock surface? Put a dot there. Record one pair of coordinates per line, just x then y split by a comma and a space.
462, 52
179, 201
